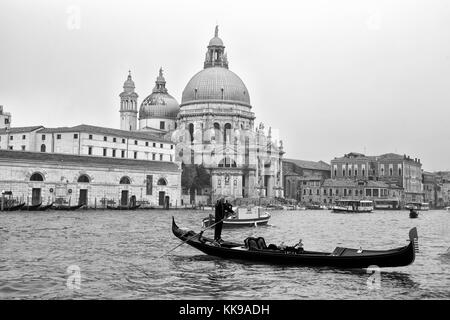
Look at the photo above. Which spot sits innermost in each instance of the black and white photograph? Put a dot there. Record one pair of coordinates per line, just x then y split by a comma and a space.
224, 155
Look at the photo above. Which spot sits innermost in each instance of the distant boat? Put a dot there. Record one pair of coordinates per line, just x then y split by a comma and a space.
353, 206
420, 206
413, 213
31, 207
68, 208
14, 207
447, 208
124, 207
386, 204
245, 217
46, 207
315, 207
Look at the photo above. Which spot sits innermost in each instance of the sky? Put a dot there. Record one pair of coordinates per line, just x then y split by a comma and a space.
331, 77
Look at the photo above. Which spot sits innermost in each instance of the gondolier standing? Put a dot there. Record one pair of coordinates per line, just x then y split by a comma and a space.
222, 210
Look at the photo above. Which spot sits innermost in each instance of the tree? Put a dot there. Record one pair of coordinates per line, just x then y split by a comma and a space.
195, 177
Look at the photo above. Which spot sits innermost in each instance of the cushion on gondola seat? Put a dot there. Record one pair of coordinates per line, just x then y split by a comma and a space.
251, 243
338, 251
261, 243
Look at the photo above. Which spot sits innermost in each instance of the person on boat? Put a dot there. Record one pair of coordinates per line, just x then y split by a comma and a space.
299, 246
222, 211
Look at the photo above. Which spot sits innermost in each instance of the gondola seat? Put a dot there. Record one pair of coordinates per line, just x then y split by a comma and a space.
255, 243
338, 251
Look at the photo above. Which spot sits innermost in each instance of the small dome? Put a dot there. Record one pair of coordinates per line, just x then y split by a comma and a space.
216, 41
159, 104
218, 84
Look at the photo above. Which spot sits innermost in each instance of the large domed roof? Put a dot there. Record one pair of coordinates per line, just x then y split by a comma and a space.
215, 84
159, 104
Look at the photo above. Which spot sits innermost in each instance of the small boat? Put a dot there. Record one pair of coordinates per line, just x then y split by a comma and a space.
413, 213
245, 217
33, 207
68, 208
353, 206
14, 207
314, 207
419, 206
124, 207
339, 258
447, 208
46, 207
386, 204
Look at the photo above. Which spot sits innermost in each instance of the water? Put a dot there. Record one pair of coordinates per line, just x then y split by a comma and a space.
117, 251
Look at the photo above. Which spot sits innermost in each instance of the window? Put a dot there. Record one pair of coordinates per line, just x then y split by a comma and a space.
43, 148
162, 182
135, 154
75, 135
104, 152
160, 157
161, 145
90, 137
171, 146
356, 172
162, 125
123, 140
23, 148
324, 192
171, 159
391, 171
10, 147
114, 152
125, 180
37, 177
6, 120
58, 136
84, 178
123, 153
114, 139
105, 138
154, 144
89, 150
43, 137
135, 142
153, 156
24, 137
146, 143
11, 137
149, 184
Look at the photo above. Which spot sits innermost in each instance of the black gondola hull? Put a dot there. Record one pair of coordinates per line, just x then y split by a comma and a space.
398, 257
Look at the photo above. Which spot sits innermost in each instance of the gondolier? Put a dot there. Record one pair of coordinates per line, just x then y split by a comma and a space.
222, 211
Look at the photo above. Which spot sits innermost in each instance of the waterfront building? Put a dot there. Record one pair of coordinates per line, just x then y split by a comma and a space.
302, 179
395, 170
90, 141
35, 177
431, 189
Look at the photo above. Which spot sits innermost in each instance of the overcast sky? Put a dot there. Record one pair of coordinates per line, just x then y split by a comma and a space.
332, 76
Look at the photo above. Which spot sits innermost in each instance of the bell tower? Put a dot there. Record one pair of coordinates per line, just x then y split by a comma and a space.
128, 105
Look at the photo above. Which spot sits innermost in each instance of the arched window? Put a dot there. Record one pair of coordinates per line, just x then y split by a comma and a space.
227, 133
217, 131
191, 132
124, 180
162, 182
84, 178
36, 177
43, 147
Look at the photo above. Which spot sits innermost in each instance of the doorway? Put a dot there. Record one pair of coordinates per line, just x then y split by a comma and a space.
124, 198
162, 195
35, 196
83, 197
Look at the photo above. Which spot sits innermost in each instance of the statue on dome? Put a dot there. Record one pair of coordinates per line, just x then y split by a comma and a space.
216, 32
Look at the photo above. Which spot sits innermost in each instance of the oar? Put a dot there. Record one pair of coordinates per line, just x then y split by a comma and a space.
190, 238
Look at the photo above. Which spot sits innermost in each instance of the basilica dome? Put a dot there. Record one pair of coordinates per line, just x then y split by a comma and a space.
159, 104
215, 83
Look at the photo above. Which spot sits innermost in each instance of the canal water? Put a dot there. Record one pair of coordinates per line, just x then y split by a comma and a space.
114, 255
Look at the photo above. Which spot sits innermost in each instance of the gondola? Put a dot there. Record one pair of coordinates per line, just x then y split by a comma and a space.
339, 258
413, 214
68, 208
14, 208
46, 207
33, 207
123, 207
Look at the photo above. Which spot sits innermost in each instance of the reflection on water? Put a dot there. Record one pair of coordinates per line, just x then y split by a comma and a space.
117, 253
